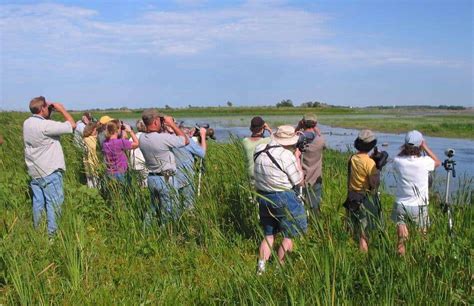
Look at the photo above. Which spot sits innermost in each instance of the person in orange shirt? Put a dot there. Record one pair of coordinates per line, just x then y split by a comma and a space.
363, 181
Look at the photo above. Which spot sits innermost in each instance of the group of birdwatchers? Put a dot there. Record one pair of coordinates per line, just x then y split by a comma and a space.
284, 169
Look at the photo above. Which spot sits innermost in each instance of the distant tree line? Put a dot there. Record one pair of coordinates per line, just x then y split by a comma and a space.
446, 107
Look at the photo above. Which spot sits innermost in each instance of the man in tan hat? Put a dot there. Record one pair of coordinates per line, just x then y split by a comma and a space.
363, 182
311, 143
277, 172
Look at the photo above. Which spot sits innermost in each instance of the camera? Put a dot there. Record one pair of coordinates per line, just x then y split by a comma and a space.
122, 126
304, 140
209, 131
380, 158
449, 152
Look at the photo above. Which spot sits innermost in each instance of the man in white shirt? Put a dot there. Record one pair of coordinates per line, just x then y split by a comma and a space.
277, 171
45, 159
412, 175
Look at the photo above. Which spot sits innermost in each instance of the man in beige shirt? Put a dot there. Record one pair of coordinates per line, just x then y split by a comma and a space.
45, 159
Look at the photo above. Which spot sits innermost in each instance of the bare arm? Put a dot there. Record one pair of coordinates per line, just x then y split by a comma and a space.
202, 132
424, 146
135, 143
374, 180
299, 166
60, 108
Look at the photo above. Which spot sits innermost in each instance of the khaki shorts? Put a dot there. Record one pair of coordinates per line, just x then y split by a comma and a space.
418, 215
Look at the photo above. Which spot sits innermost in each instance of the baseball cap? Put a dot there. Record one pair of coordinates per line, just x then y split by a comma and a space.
257, 122
366, 136
414, 138
105, 119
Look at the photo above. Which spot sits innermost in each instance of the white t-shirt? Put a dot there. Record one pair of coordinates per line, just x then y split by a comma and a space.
411, 174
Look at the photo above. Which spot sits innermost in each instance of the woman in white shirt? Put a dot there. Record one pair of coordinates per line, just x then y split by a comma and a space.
412, 174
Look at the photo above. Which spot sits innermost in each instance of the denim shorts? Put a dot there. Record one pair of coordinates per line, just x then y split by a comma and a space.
418, 215
282, 212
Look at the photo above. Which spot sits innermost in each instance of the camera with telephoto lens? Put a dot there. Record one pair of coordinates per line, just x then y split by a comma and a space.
380, 158
209, 131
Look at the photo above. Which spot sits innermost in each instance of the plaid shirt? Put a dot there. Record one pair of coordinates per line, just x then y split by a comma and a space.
268, 177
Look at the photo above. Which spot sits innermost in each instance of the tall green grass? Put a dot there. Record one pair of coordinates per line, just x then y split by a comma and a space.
103, 254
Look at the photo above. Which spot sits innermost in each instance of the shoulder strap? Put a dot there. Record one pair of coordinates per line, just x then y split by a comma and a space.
266, 151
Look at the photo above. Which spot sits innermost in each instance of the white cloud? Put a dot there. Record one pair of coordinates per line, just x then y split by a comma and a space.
256, 28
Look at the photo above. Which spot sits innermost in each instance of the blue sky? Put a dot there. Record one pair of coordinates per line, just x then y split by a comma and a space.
89, 54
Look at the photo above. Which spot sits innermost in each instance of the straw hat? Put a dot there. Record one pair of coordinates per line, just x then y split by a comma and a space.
285, 135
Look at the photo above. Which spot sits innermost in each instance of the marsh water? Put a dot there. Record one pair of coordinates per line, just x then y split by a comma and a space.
342, 139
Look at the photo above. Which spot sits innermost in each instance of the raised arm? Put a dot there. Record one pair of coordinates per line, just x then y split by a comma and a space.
177, 131
129, 130
424, 146
60, 109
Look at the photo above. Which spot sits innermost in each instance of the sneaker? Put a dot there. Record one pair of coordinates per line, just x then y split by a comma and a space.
260, 267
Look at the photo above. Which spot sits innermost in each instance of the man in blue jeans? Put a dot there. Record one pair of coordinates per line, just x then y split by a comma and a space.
156, 145
277, 172
185, 167
45, 159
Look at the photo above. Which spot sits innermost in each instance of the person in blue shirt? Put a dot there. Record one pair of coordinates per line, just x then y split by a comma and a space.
185, 164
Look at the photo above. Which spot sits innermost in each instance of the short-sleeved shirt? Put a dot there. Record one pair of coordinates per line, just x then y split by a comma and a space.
137, 161
412, 174
43, 151
185, 162
268, 177
362, 168
312, 160
156, 148
114, 154
249, 148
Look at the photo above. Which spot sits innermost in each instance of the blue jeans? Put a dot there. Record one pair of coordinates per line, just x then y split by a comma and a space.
282, 211
187, 195
164, 199
47, 194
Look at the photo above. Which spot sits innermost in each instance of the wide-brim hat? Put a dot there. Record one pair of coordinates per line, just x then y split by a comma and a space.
310, 117
285, 135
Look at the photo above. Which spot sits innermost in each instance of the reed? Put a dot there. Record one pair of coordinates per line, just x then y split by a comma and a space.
104, 255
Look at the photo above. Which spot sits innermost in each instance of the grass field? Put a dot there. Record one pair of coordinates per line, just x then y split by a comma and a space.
103, 255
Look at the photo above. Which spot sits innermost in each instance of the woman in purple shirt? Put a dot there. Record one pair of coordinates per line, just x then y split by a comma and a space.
114, 147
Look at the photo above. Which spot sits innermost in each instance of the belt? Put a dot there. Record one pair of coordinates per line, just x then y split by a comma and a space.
163, 173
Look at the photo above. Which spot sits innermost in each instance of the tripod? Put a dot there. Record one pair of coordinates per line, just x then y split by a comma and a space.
449, 165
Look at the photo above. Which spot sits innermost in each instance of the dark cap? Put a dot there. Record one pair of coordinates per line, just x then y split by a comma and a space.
257, 122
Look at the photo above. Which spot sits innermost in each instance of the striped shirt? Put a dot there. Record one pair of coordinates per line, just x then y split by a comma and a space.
268, 177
